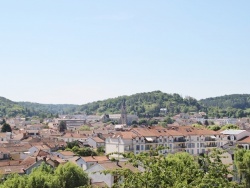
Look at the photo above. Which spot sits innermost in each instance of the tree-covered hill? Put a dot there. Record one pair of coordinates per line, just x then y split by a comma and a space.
36, 108
26, 109
236, 106
144, 104
241, 101
10, 108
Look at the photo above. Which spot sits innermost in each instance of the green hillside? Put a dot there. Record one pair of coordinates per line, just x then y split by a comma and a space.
240, 101
236, 105
144, 104
10, 108
26, 109
47, 109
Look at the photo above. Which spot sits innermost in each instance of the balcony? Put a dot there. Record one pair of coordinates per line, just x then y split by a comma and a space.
180, 140
210, 139
211, 145
179, 146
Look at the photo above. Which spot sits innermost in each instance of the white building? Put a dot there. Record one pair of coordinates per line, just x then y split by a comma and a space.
174, 139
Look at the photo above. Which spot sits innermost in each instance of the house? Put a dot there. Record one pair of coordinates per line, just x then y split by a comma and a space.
92, 160
4, 153
96, 175
36, 148
32, 162
70, 137
64, 154
77, 161
95, 142
235, 135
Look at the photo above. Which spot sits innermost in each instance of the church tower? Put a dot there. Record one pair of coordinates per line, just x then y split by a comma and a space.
123, 113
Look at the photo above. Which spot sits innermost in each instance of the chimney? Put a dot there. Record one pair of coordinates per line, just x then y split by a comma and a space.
44, 159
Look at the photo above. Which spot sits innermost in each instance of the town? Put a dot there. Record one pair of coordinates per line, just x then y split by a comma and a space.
95, 146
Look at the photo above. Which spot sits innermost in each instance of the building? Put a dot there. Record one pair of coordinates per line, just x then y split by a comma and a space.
174, 139
73, 122
96, 175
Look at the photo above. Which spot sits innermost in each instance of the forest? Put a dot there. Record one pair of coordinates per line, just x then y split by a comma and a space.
145, 105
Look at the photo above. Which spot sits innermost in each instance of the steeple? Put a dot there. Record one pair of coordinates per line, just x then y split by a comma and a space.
123, 113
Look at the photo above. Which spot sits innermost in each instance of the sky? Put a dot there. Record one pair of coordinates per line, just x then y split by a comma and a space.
79, 51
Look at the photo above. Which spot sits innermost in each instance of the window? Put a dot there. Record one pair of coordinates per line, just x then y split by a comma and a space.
170, 146
142, 147
165, 140
192, 151
137, 147
160, 140
198, 145
198, 138
198, 151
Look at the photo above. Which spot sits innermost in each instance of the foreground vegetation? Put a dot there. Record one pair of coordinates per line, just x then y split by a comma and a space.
65, 176
174, 171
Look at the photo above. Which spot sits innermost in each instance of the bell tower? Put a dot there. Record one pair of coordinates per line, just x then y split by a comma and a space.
123, 113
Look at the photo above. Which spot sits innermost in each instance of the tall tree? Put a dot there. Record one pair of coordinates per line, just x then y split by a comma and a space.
71, 176
6, 128
62, 126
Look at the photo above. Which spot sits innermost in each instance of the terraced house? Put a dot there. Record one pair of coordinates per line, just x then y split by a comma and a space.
174, 139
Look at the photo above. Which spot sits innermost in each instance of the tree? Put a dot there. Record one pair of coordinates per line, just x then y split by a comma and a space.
168, 120
68, 175
174, 171
6, 128
206, 123
214, 127
230, 126
70, 145
71, 176
84, 128
242, 163
62, 126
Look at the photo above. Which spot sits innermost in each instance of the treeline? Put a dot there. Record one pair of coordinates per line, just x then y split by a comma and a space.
9, 108
217, 112
235, 106
239, 101
144, 104
47, 110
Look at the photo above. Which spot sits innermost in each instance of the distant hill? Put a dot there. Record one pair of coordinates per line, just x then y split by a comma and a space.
144, 104
48, 108
27, 109
10, 108
239, 101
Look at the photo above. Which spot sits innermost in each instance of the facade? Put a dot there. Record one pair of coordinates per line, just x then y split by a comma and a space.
95, 142
96, 176
174, 139
73, 122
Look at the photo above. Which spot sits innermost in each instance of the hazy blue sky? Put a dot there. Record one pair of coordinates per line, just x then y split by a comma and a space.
78, 51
